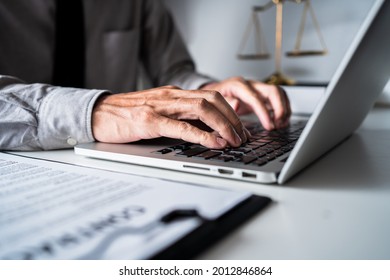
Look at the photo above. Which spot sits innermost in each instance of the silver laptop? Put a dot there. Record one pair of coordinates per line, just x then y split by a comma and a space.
274, 157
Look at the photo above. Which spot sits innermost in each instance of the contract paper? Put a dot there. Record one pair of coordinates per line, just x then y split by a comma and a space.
51, 210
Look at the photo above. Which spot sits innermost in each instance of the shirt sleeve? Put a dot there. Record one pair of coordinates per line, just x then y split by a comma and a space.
164, 54
44, 117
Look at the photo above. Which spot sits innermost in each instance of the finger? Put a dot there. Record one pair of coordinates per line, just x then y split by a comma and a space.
223, 106
234, 103
248, 133
280, 105
240, 108
199, 109
249, 95
277, 99
288, 105
213, 97
285, 121
179, 129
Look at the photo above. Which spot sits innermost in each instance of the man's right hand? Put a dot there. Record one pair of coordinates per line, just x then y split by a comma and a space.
128, 117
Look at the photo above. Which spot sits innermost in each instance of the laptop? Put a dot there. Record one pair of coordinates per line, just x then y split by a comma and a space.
276, 156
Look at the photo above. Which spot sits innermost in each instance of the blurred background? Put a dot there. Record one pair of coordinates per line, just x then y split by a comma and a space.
214, 30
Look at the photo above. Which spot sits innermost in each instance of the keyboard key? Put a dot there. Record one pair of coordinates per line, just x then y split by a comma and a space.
259, 153
182, 147
192, 152
278, 153
226, 150
233, 154
252, 146
285, 149
260, 162
267, 150
164, 151
240, 150
270, 156
246, 159
223, 158
208, 154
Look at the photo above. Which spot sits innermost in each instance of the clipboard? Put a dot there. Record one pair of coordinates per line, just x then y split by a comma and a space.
211, 232
73, 212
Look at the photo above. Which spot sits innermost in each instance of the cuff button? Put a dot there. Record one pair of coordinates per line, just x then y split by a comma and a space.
71, 141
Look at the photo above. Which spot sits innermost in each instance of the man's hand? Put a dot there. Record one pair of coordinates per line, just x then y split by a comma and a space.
152, 113
268, 102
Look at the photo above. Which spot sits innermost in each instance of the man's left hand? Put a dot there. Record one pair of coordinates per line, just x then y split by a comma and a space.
270, 103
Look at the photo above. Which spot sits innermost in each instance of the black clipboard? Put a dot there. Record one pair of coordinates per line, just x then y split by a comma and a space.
212, 231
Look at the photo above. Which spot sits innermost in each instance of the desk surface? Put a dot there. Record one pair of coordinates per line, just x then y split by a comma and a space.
338, 208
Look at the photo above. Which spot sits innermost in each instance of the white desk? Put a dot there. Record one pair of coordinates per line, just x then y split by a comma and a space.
338, 208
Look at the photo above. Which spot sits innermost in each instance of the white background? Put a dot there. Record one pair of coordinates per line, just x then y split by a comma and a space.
213, 30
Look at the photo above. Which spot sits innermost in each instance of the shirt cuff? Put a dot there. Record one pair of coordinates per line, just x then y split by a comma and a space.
65, 117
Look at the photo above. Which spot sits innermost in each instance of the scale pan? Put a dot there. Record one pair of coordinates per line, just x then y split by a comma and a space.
253, 56
306, 53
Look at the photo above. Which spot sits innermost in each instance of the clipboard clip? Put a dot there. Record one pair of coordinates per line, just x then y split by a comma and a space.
179, 214
170, 217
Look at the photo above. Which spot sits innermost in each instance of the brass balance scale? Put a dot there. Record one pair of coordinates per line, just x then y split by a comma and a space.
277, 78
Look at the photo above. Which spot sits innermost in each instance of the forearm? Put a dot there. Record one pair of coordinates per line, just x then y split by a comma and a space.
44, 117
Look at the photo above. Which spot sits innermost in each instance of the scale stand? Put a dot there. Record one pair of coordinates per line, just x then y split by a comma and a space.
278, 78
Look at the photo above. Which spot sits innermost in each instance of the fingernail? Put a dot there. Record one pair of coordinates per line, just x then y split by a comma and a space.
222, 142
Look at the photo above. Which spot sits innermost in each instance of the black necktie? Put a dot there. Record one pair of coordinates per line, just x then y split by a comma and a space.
69, 54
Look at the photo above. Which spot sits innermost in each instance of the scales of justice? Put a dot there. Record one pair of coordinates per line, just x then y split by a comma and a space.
261, 51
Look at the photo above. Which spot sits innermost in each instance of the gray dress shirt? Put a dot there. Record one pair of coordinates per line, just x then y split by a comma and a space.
123, 39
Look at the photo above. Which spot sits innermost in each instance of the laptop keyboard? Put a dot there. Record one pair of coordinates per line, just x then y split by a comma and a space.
262, 147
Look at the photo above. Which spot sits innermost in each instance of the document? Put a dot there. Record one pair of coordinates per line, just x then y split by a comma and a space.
51, 210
